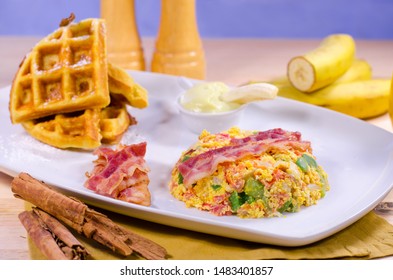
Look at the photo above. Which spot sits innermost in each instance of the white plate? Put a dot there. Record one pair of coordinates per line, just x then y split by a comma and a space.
357, 156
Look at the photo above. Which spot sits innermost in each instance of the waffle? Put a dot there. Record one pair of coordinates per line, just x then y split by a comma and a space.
70, 130
124, 87
114, 122
86, 129
65, 72
67, 95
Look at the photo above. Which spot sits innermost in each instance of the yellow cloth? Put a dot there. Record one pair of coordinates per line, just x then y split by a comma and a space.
370, 237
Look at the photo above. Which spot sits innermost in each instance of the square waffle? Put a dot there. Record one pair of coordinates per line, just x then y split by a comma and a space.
79, 129
65, 72
86, 129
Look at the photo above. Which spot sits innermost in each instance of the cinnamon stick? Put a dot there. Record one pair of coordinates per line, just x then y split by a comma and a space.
52, 238
84, 220
69, 210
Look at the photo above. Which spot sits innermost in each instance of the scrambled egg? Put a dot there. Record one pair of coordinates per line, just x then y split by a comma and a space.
255, 186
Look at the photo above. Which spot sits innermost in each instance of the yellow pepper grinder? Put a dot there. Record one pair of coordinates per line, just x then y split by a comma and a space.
178, 50
124, 43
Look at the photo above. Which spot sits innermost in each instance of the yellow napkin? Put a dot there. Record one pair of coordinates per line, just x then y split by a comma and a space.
370, 237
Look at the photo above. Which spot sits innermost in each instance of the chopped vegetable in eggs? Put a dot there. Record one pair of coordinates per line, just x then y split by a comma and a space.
251, 174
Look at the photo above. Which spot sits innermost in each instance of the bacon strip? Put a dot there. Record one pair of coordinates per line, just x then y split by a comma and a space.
276, 133
206, 163
121, 174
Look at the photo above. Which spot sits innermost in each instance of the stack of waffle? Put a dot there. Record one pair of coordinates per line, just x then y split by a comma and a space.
67, 95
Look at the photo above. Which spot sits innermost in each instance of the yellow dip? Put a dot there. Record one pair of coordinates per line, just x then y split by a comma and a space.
206, 98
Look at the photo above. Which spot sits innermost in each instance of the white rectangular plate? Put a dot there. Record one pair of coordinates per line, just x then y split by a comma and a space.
357, 156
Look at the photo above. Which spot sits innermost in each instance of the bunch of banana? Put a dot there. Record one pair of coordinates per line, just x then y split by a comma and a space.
331, 76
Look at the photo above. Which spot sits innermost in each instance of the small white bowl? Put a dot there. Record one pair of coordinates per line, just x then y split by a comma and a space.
212, 122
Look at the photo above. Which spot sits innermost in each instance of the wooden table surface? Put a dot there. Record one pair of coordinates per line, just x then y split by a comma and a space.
233, 61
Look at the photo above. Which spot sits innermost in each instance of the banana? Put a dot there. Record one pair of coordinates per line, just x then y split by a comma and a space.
278, 81
360, 99
249, 93
288, 91
359, 70
323, 65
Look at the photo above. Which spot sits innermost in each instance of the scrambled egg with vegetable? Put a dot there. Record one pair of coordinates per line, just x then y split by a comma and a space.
250, 174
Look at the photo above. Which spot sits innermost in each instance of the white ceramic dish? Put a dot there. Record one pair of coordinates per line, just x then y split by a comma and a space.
212, 122
357, 156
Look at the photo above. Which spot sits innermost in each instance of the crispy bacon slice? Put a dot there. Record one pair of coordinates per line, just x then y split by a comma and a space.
121, 174
206, 163
276, 133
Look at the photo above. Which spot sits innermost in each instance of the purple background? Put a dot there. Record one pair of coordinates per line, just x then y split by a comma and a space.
363, 19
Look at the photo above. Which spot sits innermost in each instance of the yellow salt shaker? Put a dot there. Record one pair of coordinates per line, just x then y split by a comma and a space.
124, 43
178, 49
